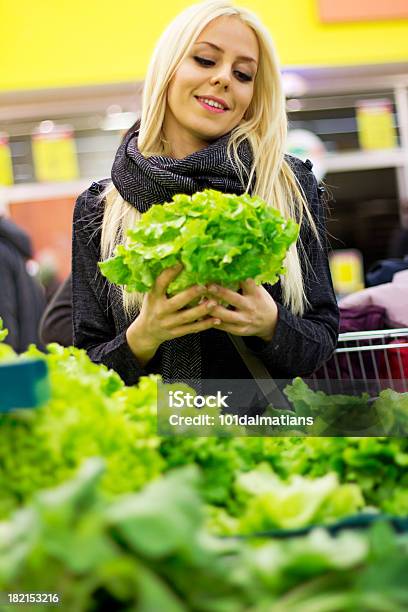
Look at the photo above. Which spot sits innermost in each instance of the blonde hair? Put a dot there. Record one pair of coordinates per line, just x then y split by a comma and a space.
264, 126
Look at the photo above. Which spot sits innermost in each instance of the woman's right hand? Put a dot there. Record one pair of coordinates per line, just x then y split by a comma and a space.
162, 318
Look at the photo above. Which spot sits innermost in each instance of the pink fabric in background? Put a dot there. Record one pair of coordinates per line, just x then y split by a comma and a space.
391, 296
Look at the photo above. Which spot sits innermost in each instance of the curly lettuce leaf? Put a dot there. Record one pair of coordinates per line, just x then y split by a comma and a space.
268, 502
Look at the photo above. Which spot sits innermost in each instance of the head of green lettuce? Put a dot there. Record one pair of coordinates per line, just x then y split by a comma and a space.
218, 237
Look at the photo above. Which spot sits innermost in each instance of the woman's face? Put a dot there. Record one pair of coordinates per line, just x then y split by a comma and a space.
213, 86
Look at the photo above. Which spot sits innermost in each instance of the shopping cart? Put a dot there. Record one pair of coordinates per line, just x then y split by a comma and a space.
369, 361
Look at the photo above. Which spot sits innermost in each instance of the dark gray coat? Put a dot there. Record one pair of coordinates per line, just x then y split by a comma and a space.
299, 346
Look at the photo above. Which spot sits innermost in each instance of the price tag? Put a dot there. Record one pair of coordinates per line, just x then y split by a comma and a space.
346, 267
6, 166
375, 124
55, 156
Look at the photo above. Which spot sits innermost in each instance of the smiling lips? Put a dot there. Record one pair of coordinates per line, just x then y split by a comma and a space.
212, 104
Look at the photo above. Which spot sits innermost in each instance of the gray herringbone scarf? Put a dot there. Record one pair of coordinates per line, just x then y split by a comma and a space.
145, 181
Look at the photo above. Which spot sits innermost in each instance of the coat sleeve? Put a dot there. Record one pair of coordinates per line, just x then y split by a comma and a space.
8, 299
56, 322
300, 345
93, 324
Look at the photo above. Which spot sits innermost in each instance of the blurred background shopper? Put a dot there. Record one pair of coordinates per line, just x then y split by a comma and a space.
56, 322
210, 51
21, 296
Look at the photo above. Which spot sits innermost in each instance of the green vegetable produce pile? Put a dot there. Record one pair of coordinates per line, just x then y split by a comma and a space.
218, 237
137, 528
91, 413
265, 502
387, 414
87, 415
150, 551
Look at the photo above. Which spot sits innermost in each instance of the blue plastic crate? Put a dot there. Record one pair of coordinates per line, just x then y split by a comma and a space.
23, 384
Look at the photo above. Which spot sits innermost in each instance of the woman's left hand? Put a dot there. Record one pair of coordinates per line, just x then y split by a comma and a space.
255, 312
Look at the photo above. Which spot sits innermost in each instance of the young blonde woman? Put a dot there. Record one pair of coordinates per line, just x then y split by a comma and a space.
213, 115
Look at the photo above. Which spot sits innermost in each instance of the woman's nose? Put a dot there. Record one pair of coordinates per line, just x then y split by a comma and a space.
222, 78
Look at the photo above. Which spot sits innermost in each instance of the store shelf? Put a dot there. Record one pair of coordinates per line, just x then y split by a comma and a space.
366, 160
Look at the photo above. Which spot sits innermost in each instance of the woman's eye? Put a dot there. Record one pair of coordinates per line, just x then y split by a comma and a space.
203, 61
242, 76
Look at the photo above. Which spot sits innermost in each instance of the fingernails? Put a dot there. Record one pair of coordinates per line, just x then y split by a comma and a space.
211, 304
213, 288
217, 322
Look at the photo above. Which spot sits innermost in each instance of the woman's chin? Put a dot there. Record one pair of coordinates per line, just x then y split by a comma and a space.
212, 132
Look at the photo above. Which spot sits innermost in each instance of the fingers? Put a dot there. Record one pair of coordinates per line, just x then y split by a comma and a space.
228, 316
184, 297
164, 279
235, 330
193, 328
191, 314
232, 297
248, 286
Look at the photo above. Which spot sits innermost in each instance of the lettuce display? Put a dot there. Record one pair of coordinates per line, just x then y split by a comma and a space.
265, 502
91, 413
385, 415
150, 551
377, 465
218, 237
131, 521
135, 553
87, 415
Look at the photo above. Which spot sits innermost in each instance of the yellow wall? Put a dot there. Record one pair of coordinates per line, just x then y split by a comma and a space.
75, 42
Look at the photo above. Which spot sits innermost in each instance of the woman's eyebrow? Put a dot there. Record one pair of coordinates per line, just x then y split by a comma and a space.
241, 57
